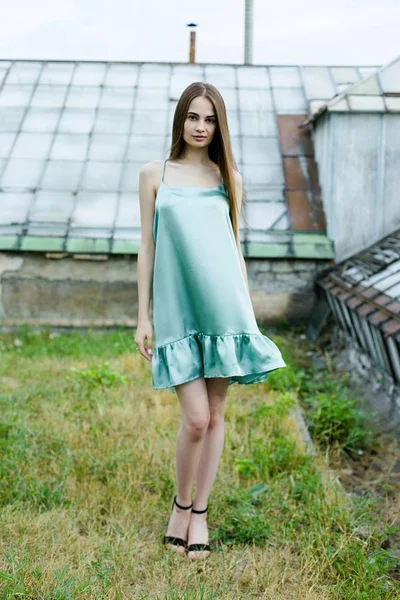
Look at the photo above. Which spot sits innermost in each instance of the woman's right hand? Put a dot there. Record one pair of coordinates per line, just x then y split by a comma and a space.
144, 332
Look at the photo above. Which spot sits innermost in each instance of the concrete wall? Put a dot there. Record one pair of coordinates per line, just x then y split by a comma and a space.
358, 156
101, 290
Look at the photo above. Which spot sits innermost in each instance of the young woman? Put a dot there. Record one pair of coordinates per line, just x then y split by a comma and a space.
190, 263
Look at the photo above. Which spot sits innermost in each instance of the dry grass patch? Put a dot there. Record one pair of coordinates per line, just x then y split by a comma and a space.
87, 480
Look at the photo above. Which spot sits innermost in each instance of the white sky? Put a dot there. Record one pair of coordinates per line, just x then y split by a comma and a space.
359, 32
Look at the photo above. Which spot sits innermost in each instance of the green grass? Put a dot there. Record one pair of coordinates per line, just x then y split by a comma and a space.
333, 414
87, 479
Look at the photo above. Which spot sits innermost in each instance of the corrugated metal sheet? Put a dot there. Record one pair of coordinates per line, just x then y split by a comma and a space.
363, 293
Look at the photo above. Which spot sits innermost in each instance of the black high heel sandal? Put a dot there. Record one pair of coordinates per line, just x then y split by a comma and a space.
198, 547
176, 541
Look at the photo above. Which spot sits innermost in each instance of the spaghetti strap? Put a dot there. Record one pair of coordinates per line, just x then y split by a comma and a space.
163, 171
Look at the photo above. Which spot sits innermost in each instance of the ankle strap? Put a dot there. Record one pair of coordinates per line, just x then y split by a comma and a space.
199, 512
182, 507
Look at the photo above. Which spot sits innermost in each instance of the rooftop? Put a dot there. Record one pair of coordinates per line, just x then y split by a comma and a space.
73, 136
378, 92
364, 294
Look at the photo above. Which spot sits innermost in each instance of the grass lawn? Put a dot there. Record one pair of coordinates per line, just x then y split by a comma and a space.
87, 480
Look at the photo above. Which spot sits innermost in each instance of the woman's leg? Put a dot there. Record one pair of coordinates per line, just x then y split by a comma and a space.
193, 399
209, 461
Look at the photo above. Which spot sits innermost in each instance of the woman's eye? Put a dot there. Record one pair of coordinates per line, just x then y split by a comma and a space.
191, 117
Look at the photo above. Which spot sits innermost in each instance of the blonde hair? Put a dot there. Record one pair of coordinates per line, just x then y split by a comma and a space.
219, 150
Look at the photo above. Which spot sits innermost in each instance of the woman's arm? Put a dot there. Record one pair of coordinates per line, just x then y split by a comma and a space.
239, 196
145, 260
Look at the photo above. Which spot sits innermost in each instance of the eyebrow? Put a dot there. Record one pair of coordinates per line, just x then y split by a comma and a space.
191, 112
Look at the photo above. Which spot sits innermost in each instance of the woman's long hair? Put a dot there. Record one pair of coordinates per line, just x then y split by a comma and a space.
219, 150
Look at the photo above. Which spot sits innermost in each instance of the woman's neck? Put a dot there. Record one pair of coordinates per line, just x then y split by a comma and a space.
196, 158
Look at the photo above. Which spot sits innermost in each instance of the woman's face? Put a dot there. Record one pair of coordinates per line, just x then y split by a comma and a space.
200, 122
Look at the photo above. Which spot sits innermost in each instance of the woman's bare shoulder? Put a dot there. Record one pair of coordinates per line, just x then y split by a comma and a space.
152, 168
237, 176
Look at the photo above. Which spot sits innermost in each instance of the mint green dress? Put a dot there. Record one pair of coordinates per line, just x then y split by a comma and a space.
203, 318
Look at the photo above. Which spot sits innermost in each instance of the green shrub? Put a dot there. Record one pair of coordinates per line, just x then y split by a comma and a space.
99, 375
335, 418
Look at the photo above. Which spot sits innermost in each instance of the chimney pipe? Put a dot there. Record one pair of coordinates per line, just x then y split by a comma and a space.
192, 50
248, 32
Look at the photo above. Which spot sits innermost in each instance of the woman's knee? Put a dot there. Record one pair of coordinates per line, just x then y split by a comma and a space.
217, 408
195, 407
197, 425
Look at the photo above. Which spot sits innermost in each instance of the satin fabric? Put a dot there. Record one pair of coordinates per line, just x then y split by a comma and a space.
204, 323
